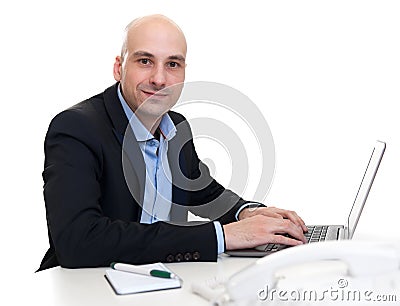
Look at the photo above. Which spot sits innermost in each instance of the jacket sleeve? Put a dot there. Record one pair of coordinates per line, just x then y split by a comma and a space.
82, 235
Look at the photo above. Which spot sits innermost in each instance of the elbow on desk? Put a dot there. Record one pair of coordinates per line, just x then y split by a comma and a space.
75, 257
80, 253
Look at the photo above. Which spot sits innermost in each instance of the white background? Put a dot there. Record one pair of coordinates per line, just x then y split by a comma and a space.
325, 74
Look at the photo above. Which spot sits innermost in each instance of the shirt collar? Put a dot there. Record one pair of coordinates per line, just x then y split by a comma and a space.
167, 126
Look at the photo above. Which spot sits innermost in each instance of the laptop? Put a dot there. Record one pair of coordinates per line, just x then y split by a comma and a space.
319, 233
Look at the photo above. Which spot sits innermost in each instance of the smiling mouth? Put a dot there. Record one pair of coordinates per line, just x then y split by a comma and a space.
155, 94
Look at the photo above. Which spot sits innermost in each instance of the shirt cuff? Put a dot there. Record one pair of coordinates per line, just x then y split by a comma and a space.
220, 237
246, 205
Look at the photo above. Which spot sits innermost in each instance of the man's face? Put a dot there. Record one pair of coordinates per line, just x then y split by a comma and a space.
154, 59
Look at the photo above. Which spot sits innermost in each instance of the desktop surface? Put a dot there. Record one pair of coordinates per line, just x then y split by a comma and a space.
87, 287
78, 287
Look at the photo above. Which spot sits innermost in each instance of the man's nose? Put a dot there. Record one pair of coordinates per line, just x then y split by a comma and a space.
158, 77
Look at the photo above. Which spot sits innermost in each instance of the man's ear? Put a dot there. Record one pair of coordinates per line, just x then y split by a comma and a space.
117, 68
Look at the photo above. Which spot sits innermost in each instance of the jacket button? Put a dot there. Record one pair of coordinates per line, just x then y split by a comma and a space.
178, 257
170, 258
196, 256
187, 256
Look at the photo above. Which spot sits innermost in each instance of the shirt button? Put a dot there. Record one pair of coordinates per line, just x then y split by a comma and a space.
170, 258
196, 256
178, 257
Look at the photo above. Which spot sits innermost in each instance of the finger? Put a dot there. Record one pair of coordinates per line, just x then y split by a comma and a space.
286, 240
288, 227
295, 218
303, 225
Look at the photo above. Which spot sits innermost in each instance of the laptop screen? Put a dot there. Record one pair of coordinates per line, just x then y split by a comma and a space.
365, 187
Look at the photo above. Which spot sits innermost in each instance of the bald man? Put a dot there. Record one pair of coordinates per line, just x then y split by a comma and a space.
111, 162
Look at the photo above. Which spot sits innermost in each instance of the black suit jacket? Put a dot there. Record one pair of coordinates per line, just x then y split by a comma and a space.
92, 217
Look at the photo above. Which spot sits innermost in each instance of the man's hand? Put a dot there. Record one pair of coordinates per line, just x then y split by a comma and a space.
264, 225
273, 212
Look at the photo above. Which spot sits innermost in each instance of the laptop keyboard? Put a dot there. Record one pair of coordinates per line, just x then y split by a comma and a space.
314, 234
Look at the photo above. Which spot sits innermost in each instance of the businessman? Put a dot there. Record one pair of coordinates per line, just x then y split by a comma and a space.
113, 162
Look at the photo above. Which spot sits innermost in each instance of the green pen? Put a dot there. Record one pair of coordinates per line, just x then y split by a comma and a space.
141, 270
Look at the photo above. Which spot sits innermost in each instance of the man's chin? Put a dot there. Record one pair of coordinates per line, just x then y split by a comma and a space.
151, 111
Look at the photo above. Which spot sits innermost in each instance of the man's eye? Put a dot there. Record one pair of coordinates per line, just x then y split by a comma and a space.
144, 61
173, 65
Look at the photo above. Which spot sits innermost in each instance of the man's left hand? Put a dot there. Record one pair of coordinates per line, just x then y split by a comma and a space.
274, 212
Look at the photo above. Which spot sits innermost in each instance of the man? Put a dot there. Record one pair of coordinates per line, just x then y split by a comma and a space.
95, 185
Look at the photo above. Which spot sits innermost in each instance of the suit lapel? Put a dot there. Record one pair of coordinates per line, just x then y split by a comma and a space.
132, 158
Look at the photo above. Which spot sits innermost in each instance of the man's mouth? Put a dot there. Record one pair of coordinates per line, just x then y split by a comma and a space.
155, 93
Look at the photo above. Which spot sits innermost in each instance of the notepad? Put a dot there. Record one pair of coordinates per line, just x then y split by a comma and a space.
127, 283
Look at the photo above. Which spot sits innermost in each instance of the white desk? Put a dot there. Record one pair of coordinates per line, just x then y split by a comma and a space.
87, 287
61, 287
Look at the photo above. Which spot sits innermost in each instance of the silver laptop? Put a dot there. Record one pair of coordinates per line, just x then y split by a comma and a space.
318, 233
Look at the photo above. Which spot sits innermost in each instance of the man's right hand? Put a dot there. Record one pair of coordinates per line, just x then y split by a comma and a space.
259, 229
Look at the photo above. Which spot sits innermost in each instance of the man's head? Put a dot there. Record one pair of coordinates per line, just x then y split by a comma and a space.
152, 58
